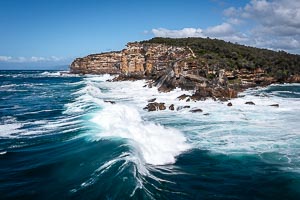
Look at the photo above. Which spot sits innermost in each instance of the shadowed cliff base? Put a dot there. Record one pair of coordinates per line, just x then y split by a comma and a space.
210, 67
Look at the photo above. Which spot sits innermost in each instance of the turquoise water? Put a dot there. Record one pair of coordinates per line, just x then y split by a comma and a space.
59, 139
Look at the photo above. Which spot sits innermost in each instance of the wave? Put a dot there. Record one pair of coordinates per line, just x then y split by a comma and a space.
8, 85
87, 97
163, 135
55, 74
101, 78
158, 145
58, 74
11, 128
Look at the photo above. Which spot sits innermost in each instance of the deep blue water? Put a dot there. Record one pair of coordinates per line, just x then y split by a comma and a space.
59, 139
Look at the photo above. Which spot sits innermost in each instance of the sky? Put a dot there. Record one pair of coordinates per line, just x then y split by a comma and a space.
45, 34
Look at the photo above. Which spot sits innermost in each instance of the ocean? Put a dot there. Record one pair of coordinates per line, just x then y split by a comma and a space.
82, 137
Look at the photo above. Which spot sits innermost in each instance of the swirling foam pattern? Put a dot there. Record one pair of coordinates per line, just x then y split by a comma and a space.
80, 137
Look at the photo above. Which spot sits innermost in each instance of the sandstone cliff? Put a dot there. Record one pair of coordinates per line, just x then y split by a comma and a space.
136, 58
169, 66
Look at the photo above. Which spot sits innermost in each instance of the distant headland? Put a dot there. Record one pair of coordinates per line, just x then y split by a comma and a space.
212, 68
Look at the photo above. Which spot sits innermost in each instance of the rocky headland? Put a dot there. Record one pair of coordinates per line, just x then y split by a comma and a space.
211, 68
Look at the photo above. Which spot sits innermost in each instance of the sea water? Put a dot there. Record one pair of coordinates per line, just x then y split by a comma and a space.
83, 137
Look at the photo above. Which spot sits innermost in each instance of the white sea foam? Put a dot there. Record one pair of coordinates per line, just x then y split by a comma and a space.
240, 129
101, 78
9, 127
8, 85
87, 96
12, 128
58, 74
9, 130
158, 145
51, 73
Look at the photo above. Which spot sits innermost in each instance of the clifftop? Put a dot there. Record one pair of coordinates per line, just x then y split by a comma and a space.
212, 68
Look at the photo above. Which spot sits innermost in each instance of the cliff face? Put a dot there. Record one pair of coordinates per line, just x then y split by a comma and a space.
170, 66
136, 58
105, 63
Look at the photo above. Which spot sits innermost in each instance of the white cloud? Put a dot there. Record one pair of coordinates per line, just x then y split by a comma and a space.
235, 21
273, 24
5, 58
231, 12
273, 13
33, 59
284, 43
276, 23
185, 32
36, 59
224, 29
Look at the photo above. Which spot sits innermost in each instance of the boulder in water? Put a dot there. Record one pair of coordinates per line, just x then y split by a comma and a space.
171, 107
155, 106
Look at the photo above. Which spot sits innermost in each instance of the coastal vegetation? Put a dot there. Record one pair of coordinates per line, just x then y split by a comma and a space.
233, 56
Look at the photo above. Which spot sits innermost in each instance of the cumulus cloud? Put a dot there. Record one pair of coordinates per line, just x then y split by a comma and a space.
276, 23
224, 29
185, 32
5, 58
277, 13
22, 59
273, 24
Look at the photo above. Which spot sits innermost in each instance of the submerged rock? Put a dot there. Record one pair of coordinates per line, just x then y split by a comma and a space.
183, 96
107, 101
171, 107
197, 110
182, 107
250, 103
274, 105
229, 104
152, 100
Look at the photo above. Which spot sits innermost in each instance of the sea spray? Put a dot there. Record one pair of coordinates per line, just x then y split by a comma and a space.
158, 145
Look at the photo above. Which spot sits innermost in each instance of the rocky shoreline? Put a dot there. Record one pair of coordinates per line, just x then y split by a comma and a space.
168, 67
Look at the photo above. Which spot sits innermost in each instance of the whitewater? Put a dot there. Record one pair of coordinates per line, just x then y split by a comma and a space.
84, 137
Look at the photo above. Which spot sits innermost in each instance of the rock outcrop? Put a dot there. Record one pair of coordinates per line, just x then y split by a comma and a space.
155, 106
168, 67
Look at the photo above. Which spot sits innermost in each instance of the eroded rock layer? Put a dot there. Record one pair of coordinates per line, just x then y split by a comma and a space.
136, 58
168, 67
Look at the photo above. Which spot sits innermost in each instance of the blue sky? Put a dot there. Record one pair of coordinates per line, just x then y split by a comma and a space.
44, 33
